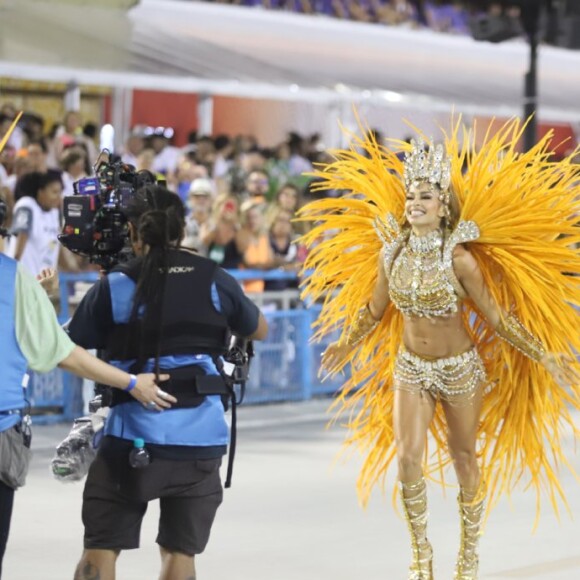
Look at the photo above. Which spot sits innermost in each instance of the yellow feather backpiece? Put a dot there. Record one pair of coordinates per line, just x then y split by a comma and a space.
526, 207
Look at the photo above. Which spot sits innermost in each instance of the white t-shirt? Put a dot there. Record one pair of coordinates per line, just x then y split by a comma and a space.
166, 160
42, 227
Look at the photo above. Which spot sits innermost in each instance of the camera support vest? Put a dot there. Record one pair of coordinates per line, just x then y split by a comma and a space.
191, 305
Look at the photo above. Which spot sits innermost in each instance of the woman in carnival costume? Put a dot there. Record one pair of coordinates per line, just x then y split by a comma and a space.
454, 276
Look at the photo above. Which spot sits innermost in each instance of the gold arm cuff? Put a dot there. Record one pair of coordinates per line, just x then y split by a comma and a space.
516, 334
363, 326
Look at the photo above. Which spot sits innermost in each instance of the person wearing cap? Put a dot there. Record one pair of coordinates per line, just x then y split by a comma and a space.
199, 202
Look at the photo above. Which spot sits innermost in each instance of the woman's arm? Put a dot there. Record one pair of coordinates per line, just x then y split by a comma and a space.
506, 325
380, 297
367, 321
21, 241
242, 239
208, 235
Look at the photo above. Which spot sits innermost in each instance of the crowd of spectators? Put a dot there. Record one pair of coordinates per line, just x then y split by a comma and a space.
241, 198
439, 15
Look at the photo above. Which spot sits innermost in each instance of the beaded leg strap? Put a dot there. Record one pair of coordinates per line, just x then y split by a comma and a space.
414, 498
471, 514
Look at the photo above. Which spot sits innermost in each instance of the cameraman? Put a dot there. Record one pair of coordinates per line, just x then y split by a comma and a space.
30, 336
166, 309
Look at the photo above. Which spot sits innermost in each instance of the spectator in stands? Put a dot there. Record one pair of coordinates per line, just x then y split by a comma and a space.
278, 166
9, 152
225, 241
361, 11
258, 254
257, 185
36, 222
197, 222
7, 115
37, 154
81, 148
205, 151
134, 144
394, 12
71, 133
288, 198
297, 164
146, 160
166, 156
288, 254
188, 170
450, 17
73, 165
90, 131
224, 150
21, 167
33, 127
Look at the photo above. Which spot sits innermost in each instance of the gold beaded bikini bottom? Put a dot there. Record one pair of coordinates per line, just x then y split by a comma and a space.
454, 379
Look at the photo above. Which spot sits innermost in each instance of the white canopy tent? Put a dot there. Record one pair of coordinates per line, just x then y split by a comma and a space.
187, 46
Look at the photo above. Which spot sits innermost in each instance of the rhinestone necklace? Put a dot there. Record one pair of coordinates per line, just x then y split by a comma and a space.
425, 244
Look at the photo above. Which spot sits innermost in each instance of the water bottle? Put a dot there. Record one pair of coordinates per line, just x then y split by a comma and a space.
139, 456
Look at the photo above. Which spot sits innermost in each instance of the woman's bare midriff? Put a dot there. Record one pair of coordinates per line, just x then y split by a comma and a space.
436, 337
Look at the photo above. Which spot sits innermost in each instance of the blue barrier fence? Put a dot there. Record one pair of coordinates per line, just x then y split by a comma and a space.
285, 366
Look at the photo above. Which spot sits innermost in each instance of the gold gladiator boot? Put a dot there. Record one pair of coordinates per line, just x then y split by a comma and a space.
414, 497
471, 513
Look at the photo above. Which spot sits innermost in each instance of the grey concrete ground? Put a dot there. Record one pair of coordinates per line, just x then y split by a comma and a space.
292, 515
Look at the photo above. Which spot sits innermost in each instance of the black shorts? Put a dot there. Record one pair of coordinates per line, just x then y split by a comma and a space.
116, 495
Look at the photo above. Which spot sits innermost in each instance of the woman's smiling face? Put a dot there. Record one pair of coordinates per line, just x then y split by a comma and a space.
423, 207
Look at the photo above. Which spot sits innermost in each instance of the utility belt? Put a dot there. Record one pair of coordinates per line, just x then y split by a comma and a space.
188, 384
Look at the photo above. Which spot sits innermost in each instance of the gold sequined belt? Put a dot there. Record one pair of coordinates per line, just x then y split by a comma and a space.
451, 378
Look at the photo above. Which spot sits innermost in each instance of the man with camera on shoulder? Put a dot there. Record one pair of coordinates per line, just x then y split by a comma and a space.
167, 311
30, 337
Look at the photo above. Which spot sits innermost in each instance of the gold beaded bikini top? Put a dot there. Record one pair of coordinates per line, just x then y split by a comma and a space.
422, 281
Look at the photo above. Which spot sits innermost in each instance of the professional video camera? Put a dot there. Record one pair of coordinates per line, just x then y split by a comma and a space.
95, 217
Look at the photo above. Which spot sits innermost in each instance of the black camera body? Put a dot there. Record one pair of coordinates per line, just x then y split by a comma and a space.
95, 217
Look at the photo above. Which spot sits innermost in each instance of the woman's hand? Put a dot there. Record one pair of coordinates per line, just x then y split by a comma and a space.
48, 279
150, 395
560, 366
333, 356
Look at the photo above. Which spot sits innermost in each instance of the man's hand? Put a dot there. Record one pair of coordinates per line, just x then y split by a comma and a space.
48, 279
150, 395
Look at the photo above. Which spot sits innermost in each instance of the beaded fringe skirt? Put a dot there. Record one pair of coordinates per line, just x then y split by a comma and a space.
454, 379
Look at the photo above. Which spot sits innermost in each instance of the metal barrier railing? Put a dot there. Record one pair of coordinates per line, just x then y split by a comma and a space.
285, 366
